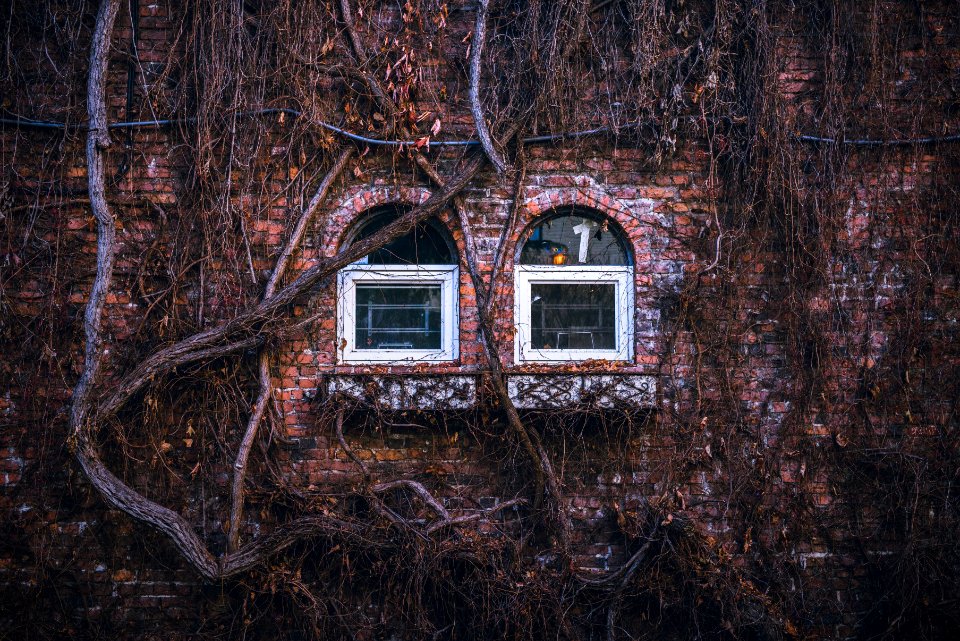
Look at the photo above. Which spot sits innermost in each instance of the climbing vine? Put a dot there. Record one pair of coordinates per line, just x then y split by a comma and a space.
807, 368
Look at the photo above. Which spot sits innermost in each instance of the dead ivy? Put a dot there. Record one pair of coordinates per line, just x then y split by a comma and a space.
840, 258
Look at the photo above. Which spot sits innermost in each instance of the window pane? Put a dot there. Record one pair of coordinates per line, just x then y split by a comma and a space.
573, 316
425, 245
574, 239
398, 317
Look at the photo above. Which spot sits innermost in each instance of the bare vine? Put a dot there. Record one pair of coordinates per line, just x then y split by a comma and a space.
807, 409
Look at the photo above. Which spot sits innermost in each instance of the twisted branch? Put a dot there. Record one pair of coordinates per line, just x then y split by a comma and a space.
476, 108
124, 498
262, 320
263, 365
98, 140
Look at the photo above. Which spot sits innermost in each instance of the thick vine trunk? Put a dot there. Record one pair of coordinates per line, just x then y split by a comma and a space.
546, 478
256, 323
98, 140
476, 106
244, 331
247, 329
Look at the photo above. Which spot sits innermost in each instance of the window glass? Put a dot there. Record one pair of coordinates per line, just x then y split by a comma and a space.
427, 244
398, 317
573, 316
573, 238
399, 304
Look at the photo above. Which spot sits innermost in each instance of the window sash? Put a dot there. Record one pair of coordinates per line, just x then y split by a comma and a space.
525, 276
444, 276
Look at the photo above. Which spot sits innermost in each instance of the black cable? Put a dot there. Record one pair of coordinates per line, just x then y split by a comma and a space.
156, 124
927, 140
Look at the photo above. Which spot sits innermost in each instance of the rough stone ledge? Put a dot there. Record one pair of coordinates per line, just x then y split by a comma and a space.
407, 392
528, 391
539, 391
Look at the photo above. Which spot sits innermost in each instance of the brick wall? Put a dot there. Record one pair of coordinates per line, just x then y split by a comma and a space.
111, 577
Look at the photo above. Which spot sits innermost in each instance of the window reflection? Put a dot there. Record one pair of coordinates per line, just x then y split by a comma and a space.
572, 239
573, 316
398, 317
427, 244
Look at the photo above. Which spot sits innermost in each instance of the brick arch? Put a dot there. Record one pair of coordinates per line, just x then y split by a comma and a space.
358, 200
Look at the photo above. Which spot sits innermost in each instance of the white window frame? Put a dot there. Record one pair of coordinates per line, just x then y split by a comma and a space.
447, 276
527, 275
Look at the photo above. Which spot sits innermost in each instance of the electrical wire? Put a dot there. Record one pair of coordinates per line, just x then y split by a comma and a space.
927, 140
570, 135
157, 124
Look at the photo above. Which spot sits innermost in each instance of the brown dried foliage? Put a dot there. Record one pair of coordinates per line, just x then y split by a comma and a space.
873, 429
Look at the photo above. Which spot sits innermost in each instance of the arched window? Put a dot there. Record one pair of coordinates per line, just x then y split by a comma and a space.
399, 303
574, 290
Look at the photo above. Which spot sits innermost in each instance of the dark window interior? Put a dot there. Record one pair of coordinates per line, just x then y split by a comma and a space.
573, 316
559, 239
398, 317
402, 315
427, 244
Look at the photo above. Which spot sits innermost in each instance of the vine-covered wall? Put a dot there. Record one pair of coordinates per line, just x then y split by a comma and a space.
785, 174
